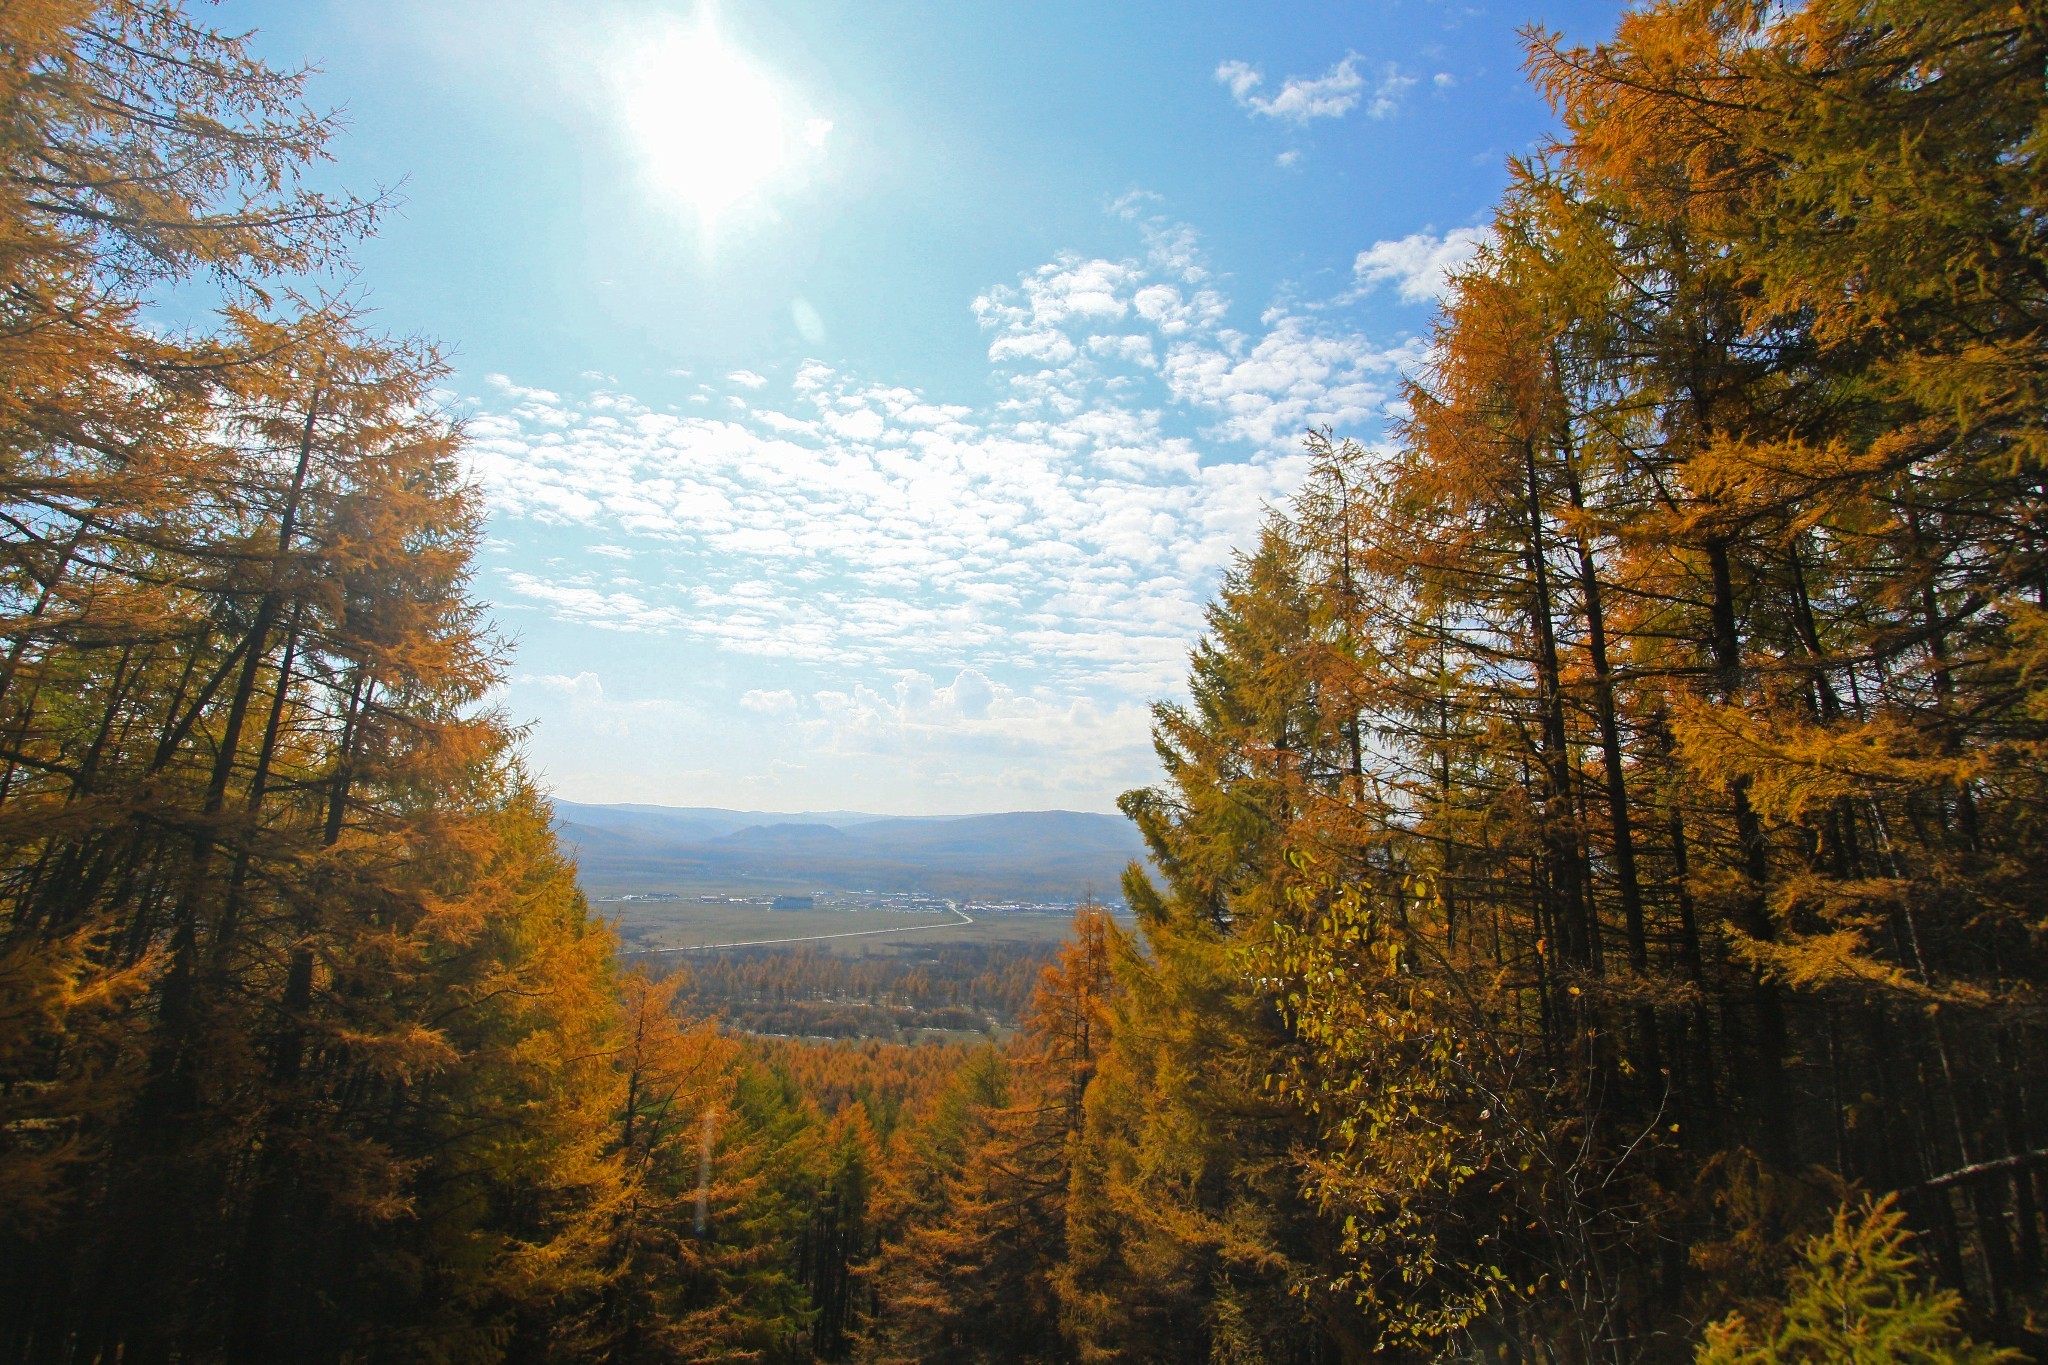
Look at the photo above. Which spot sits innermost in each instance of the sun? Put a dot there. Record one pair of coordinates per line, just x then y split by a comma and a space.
712, 127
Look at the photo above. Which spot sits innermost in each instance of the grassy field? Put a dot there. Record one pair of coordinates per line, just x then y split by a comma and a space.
600, 888
684, 924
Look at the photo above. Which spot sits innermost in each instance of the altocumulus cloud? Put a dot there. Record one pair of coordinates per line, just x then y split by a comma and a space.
1419, 266
1049, 549
1300, 99
780, 702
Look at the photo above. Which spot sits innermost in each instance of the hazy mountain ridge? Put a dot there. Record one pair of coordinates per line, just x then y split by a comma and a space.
1037, 855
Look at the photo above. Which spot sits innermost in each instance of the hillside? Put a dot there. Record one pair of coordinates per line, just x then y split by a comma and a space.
1029, 855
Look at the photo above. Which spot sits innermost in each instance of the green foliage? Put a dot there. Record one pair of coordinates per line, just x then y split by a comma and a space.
1853, 1298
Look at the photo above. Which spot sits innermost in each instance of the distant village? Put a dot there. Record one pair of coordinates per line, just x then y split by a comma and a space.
913, 902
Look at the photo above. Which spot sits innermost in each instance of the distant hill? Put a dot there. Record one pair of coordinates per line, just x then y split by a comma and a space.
789, 838
1026, 855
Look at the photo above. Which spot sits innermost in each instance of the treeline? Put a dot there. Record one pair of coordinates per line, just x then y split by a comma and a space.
1607, 832
805, 991
1602, 860
309, 1047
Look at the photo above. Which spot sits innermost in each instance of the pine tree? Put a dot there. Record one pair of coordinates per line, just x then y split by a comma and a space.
1853, 1299
971, 1275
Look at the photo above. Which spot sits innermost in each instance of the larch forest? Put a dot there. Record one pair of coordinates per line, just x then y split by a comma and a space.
1599, 902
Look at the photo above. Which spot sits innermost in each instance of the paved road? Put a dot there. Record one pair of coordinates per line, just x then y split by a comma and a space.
964, 918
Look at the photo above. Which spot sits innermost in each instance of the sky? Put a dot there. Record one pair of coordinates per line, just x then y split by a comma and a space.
868, 396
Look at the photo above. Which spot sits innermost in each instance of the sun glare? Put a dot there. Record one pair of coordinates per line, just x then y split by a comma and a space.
713, 128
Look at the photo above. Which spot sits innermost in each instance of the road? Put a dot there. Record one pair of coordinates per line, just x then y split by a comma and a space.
953, 906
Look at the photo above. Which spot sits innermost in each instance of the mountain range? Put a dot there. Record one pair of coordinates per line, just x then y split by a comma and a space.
1048, 855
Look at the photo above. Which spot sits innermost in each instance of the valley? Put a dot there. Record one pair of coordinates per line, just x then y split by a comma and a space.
842, 925
662, 921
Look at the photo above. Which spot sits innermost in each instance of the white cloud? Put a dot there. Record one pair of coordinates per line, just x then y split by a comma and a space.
1294, 377
1386, 97
970, 694
580, 684
973, 723
1301, 99
1420, 264
777, 703
588, 707
1067, 532
1241, 77
1172, 314
1288, 158
579, 601
747, 379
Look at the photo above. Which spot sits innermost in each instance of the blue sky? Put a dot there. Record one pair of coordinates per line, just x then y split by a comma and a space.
868, 395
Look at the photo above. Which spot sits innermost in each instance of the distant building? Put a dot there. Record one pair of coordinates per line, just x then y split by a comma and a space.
793, 903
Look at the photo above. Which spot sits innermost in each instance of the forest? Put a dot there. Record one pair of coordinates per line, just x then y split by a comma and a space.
805, 992
1599, 905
